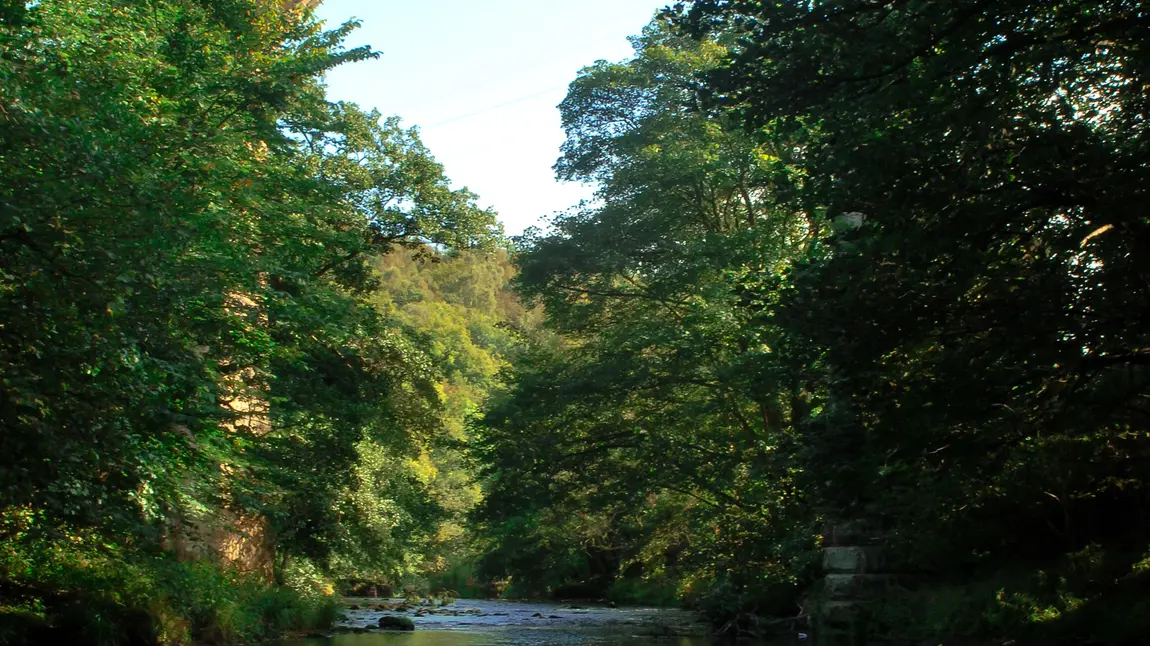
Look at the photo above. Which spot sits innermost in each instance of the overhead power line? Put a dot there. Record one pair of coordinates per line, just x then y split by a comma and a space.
495, 107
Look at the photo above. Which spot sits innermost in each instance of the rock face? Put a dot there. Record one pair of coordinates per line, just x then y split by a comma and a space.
392, 622
239, 541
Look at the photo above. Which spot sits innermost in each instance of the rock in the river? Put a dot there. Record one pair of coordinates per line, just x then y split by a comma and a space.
391, 622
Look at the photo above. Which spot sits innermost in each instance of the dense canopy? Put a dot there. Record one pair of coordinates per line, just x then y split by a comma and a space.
858, 274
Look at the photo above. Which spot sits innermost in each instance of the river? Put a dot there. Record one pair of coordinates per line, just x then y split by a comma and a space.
514, 623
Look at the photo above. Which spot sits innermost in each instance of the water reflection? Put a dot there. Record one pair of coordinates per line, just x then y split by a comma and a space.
509, 637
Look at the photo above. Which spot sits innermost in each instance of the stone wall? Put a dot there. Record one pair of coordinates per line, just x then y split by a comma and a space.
856, 574
234, 539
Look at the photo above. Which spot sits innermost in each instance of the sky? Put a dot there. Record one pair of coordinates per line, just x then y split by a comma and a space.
481, 79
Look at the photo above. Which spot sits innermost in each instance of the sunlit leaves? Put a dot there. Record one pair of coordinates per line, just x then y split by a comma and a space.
667, 417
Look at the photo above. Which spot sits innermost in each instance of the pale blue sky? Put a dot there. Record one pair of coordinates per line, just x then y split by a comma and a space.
481, 80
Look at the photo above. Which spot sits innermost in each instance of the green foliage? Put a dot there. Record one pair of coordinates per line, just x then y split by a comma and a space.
455, 312
84, 591
661, 429
1087, 597
459, 580
850, 261
146, 182
189, 334
645, 591
469, 323
977, 322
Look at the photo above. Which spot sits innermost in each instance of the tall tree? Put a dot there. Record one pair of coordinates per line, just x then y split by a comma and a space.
186, 330
145, 177
671, 395
983, 322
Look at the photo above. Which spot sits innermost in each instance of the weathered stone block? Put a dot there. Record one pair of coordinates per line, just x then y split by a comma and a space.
841, 623
855, 587
853, 560
853, 532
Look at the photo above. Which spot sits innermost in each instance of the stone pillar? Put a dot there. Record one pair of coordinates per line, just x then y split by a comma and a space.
856, 574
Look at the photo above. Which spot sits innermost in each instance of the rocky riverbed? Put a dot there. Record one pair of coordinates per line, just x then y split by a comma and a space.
467, 622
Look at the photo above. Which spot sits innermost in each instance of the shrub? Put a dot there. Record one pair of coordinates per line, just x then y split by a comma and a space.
80, 591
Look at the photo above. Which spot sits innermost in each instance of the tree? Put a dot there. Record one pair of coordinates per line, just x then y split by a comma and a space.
982, 354
186, 331
141, 150
458, 311
666, 418
994, 150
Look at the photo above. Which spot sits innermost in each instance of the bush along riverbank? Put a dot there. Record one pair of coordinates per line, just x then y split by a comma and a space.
83, 591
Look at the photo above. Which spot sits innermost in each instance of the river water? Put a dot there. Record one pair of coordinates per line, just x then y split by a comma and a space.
513, 623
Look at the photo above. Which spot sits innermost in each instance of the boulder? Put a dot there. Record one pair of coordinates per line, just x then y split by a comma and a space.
392, 622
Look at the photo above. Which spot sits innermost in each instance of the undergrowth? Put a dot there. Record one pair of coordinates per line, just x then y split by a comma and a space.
80, 591
1089, 597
